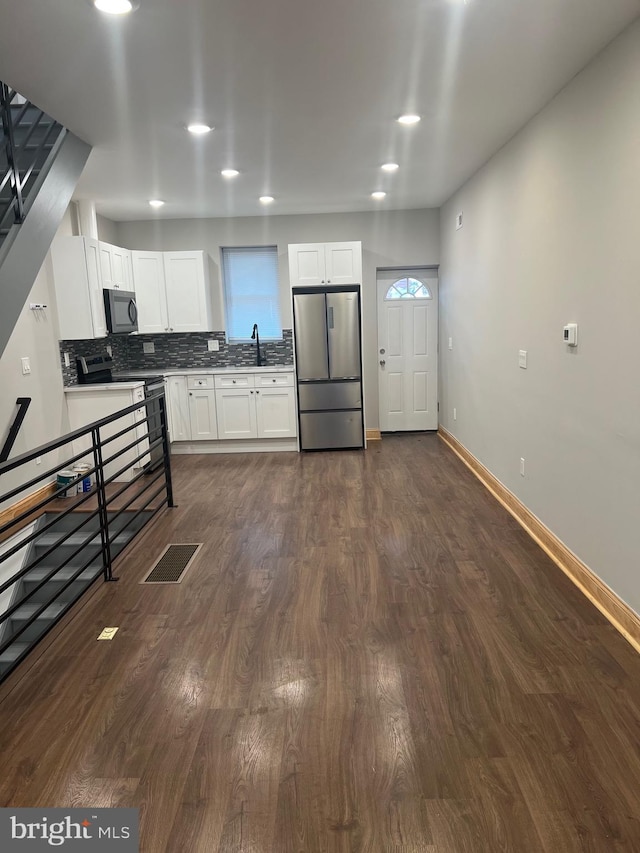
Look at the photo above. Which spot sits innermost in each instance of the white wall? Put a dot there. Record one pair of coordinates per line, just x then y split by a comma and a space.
35, 335
107, 230
551, 235
394, 238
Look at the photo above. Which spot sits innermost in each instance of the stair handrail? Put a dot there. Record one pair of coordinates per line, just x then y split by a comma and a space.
23, 404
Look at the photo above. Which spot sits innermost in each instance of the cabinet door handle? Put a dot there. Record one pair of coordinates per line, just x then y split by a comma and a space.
251, 392
328, 281
257, 392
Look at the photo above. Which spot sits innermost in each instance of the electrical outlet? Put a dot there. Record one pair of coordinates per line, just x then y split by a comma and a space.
67, 360
26, 365
109, 351
213, 346
148, 347
38, 460
455, 414
450, 343
522, 466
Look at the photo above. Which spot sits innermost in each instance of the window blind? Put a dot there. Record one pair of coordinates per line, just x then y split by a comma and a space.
251, 290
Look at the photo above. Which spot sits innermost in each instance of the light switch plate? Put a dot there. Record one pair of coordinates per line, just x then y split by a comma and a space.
148, 347
522, 358
458, 221
450, 343
67, 360
213, 345
26, 365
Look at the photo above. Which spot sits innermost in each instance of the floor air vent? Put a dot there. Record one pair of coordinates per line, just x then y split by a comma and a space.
172, 564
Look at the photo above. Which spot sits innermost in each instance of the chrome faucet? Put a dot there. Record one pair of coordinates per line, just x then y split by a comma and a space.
256, 337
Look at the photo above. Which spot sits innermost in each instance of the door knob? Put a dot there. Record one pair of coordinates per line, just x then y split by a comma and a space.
382, 362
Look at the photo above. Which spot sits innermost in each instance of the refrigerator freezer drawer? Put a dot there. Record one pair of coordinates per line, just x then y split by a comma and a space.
329, 395
330, 430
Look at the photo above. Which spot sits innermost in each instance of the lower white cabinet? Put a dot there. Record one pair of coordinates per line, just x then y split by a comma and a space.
231, 406
236, 412
275, 412
202, 414
255, 405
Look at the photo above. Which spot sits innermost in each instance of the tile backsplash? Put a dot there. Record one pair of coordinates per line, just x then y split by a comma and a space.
175, 352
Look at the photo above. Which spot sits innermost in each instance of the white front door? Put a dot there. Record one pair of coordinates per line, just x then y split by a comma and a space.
408, 349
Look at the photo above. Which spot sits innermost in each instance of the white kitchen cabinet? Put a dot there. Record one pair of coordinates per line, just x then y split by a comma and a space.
317, 264
202, 408
89, 403
275, 412
115, 266
236, 413
172, 292
151, 299
77, 281
177, 398
255, 406
188, 294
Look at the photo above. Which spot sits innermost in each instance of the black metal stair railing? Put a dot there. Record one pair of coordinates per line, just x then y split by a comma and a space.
61, 547
23, 404
29, 136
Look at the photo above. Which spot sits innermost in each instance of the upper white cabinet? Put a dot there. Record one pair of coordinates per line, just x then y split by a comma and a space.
317, 264
151, 299
188, 294
172, 292
115, 266
78, 286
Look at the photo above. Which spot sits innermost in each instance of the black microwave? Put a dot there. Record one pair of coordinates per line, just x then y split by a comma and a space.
121, 311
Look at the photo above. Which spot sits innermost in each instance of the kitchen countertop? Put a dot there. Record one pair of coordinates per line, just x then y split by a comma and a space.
106, 386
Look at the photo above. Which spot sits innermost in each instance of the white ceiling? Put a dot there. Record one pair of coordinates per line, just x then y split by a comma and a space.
303, 95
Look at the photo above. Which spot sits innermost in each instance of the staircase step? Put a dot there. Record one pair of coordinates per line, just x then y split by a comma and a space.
10, 656
51, 589
37, 628
62, 575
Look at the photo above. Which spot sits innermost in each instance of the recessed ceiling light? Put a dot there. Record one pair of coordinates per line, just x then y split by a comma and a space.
199, 129
114, 7
390, 167
409, 119
378, 194
266, 199
229, 173
156, 202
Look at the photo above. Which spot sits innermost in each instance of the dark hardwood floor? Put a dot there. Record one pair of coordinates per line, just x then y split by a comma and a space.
368, 655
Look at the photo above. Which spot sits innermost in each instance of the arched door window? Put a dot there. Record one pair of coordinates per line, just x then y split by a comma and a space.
407, 288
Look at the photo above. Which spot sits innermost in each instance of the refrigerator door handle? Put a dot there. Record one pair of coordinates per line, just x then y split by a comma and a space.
331, 326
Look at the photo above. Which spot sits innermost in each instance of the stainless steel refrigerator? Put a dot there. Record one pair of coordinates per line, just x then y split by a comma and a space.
328, 367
